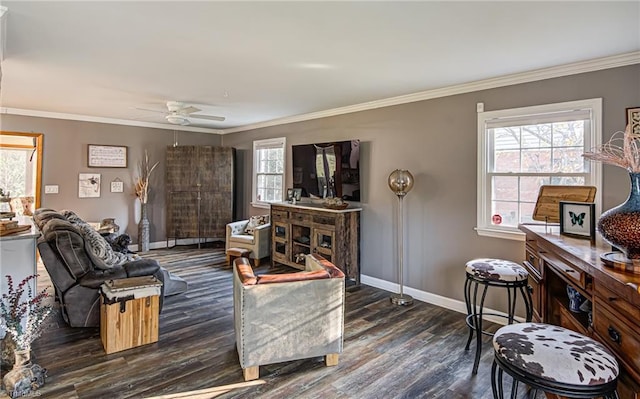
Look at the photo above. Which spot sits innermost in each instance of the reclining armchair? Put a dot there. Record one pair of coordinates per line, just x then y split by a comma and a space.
253, 235
284, 317
73, 271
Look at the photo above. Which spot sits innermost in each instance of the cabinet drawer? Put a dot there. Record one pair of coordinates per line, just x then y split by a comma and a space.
532, 241
570, 272
617, 303
531, 257
299, 217
536, 297
616, 334
627, 387
329, 220
278, 214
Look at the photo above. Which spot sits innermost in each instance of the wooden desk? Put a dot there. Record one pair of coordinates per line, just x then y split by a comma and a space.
555, 262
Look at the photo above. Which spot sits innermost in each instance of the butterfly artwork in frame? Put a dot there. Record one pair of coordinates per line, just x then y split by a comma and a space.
577, 219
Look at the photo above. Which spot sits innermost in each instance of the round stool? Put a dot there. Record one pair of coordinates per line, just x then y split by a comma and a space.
493, 273
554, 360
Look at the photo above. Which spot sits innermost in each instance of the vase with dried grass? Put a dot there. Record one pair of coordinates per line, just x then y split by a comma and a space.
141, 187
620, 226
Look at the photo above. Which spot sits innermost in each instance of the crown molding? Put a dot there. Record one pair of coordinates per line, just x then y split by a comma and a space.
506, 80
99, 119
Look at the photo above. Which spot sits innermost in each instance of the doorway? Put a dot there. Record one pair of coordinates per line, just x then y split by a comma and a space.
20, 172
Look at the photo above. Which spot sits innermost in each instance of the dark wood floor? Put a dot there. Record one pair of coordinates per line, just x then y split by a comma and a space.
389, 351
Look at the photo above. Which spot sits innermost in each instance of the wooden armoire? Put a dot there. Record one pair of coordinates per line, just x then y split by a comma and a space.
199, 191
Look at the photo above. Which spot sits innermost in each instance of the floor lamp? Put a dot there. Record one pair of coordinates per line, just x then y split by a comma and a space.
400, 182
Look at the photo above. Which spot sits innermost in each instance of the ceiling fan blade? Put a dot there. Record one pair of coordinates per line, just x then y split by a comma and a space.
189, 110
151, 110
207, 117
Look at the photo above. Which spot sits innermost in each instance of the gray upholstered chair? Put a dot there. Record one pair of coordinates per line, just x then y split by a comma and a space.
258, 242
77, 274
284, 317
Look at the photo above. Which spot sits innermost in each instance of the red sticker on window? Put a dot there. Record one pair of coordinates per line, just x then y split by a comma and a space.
496, 219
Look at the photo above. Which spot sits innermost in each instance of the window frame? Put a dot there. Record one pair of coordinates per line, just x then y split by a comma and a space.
262, 144
594, 169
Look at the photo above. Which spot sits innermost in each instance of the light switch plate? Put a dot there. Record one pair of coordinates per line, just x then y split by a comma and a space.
51, 189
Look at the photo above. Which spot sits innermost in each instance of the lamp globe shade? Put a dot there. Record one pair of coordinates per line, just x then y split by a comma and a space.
400, 182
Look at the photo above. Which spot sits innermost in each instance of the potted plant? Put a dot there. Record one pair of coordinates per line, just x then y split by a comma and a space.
23, 321
141, 189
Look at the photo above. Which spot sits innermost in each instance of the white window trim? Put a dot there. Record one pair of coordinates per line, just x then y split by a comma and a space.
483, 226
280, 141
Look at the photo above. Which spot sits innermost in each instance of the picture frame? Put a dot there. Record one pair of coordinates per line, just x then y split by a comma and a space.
117, 186
290, 194
106, 156
297, 193
89, 185
633, 119
578, 219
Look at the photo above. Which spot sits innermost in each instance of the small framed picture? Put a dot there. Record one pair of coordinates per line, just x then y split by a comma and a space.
633, 119
89, 185
117, 186
290, 194
577, 219
297, 193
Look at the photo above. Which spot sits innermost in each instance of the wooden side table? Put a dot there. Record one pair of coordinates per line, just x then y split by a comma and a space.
129, 311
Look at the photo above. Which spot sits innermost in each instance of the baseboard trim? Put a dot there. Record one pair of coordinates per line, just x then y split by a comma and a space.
434, 299
172, 243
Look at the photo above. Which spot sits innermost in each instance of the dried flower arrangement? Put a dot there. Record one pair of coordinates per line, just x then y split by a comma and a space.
141, 185
619, 151
13, 309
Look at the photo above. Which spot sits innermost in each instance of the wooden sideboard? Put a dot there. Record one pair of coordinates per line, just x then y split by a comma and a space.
297, 230
555, 262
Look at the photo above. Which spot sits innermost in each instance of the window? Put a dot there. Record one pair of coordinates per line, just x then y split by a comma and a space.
268, 170
521, 149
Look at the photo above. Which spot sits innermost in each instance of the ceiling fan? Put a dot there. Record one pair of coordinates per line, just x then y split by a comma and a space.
179, 113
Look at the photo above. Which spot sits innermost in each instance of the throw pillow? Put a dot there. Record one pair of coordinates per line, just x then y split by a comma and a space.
255, 221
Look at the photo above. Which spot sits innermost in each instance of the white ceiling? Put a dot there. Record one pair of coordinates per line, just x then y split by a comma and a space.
258, 61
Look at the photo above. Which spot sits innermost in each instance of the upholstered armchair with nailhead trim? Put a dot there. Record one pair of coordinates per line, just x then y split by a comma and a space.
291, 316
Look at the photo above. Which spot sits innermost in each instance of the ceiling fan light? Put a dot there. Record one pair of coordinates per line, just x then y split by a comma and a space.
177, 120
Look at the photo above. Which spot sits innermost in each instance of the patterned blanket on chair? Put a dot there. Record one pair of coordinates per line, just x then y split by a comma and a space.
101, 253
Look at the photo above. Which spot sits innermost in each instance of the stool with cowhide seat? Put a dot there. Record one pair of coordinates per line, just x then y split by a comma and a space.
499, 273
554, 360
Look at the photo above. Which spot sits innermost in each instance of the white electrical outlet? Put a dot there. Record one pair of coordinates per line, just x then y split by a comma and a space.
51, 189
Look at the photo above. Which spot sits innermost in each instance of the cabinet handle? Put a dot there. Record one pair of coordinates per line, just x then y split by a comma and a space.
530, 289
532, 259
569, 271
614, 335
612, 298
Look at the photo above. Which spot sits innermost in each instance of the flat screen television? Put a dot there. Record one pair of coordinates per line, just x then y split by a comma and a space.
327, 170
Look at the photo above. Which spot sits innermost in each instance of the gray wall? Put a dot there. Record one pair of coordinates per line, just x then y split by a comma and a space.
65, 156
436, 140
